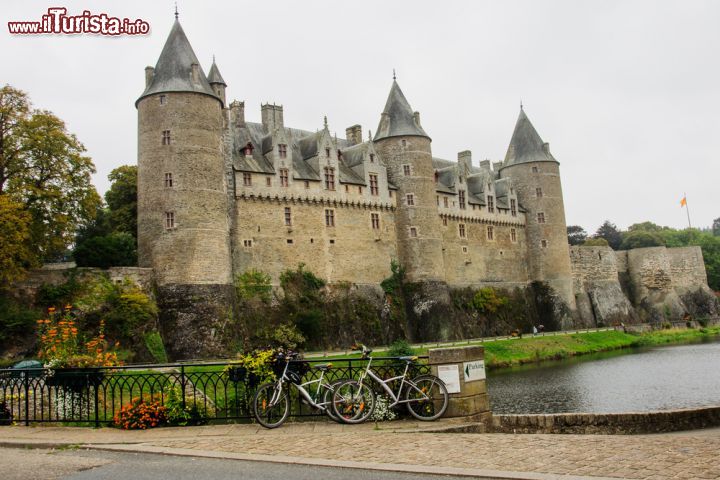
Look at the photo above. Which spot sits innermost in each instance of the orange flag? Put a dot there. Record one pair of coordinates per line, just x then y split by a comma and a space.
683, 202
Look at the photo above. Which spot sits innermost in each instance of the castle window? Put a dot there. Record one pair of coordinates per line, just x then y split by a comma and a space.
541, 217
404, 143
444, 221
248, 149
289, 241
461, 199
445, 202
513, 207
329, 178
464, 249
360, 190
406, 170
491, 203
284, 177
268, 181
534, 169
282, 150
490, 232
538, 192
374, 190
166, 137
372, 158
288, 217
247, 179
347, 188
543, 243
413, 232
168, 180
461, 230
247, 243
375, 221
390, 192
332, 241
437, 200
169, 219
307, 184
163, 99
327, 152
513, 235
410, 198
329, 218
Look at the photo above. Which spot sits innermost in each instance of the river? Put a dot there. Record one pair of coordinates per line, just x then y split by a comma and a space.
657, 378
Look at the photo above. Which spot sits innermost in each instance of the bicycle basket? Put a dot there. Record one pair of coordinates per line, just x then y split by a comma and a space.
278, 365
297, 370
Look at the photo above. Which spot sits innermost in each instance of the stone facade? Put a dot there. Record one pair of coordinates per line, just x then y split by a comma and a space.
219, 195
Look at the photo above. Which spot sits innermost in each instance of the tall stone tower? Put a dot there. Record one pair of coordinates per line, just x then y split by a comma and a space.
536, 176
183, 231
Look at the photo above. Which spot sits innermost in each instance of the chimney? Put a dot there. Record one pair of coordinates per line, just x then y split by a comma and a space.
485, 165
237, 113
416, 116
149, 75
354, 134
465, 159
546, 148
497, 166
195, 73
272, 117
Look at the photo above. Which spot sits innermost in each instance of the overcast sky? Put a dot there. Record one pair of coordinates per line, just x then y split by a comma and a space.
625, 92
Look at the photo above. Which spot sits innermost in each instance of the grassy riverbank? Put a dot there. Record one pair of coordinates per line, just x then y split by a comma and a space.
507, 353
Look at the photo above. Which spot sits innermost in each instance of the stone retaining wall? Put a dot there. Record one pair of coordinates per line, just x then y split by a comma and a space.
609, 423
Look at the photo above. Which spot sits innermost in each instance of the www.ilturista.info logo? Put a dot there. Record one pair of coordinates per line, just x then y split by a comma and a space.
58, 22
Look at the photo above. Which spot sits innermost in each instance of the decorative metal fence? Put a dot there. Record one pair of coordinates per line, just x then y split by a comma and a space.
218, 391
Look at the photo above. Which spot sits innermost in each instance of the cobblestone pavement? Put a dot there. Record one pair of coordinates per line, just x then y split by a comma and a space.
679, 455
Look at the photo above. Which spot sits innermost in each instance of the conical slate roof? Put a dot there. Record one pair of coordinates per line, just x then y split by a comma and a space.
526, 145
214, 75
398, 118
173, 71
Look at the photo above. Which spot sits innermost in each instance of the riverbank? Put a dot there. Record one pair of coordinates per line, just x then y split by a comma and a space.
508, 353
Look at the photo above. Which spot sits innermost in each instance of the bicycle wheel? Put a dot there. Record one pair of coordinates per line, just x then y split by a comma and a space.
353, 402
428, 399
267, 413
328, 400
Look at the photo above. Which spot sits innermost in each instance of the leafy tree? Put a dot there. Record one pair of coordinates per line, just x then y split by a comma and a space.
15, 253
716, 227
641, 238
595, 242
114, 250
646, 227
121, 199
576, 234
609, 232
43, 167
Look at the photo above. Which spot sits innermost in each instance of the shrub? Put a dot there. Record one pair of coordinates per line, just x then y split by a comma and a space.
400, 348
156, 347
285, 336
141, 415
486, 300
128, 309
179, 415
253, 284
258, 363
113, 250
15, 319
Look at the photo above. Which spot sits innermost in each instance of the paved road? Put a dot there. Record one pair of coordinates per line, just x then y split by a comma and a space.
99, 465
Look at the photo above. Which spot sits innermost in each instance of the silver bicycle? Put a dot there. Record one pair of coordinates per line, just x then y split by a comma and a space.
425, 396
271, 403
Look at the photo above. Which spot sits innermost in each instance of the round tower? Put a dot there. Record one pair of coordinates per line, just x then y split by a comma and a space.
405, 148
536, 177
183, 231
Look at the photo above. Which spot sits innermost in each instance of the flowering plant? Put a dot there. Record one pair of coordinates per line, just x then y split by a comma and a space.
61, 346
141, 415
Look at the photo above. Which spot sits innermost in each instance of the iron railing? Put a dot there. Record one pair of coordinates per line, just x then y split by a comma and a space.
93, 396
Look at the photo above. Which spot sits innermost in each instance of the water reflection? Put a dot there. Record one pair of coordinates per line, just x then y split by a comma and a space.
653, 379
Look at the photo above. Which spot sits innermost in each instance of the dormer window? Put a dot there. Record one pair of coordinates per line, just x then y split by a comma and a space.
491, 203
327, 152
248, 150
329, 178
513, 207
461, 199
374, 190
282, 150
284, 177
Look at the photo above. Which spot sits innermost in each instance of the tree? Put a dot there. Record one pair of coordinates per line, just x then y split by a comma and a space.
113, 250
716, 227
576, 234
43, 167
640, 239
609, 232
646, 227
15, 254
121, 199
595, 242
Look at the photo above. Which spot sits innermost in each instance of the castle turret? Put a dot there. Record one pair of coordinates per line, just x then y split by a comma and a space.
536, 177
183, 229
217, 82
405, 148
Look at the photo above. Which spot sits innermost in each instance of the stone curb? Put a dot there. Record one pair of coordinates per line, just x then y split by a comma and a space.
317, 462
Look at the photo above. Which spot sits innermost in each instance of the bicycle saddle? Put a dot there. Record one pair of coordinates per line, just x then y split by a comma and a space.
408, 359
323, 366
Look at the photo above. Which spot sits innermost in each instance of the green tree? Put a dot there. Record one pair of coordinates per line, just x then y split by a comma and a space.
113, 250
716, 227
595, 242
576, 234
641, 238
646, 227
121, 199
43, 167
609, 232
15, 254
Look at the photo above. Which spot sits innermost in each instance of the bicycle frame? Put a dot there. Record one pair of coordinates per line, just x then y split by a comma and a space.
301, 389
384, 384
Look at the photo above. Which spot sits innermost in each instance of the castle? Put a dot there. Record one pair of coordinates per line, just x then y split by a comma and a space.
219, 195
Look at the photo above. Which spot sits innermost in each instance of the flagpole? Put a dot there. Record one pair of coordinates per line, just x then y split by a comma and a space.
687, 209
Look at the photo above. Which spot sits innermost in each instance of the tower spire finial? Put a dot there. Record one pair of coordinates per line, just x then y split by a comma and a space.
521, 105
213, 58
325, 121
394, 76
176, 12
